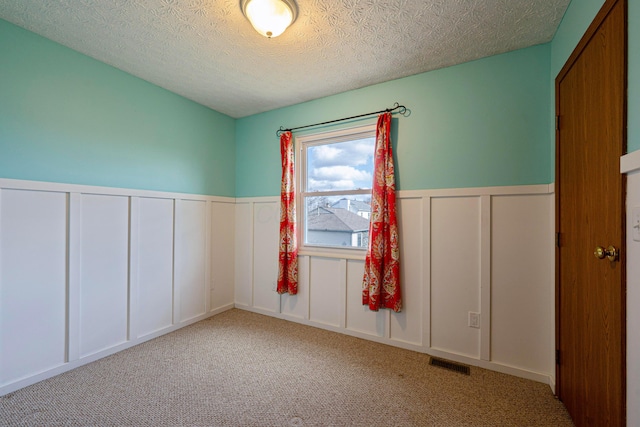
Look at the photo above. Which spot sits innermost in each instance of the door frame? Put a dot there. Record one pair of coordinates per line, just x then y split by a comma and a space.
586, 38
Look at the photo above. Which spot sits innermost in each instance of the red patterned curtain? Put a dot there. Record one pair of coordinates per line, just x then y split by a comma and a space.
288, 253
381, 283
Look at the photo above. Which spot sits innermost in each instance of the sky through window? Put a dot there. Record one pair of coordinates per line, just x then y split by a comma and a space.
340, 166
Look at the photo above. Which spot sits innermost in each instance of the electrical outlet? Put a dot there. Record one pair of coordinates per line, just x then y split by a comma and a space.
474, 320
635, 223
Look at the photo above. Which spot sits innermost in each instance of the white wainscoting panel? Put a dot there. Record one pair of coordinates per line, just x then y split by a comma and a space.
104, 282
522, 310
407, 325
327, 291
88, 271
455, 274
155, 265
266, 220
190, 254
297, 306
243, 290
222, 254
33, 233
462, 250
633, 293
359, 318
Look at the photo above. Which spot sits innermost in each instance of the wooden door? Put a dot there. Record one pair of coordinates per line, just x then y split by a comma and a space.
590, 191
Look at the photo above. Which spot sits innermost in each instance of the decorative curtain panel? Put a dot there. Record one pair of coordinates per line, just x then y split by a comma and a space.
381, 283
288, 252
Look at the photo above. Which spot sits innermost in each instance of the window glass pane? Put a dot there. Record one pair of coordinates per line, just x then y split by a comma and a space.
340, 166
339, 221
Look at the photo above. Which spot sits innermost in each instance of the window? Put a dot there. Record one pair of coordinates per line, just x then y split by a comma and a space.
336, 173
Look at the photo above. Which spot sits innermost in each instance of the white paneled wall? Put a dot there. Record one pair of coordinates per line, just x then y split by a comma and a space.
327, 283
154, 275
409, 325
630, 166
33, 288
266, 217
222, 257
297, 306
520, 271
455, 274
244, 254
88, 271
190, 267
104, 257
359, 318
482, 250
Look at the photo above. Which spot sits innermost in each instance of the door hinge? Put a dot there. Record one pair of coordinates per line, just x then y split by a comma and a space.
558, 239
557, 357
557, 122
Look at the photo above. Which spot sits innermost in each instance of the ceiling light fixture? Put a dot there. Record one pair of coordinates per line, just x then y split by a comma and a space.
270, 17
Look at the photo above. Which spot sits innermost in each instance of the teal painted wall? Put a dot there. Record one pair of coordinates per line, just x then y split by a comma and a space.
482, 123
575, 22
65, 117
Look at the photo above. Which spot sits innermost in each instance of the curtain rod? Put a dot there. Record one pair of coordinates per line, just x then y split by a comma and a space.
401, 109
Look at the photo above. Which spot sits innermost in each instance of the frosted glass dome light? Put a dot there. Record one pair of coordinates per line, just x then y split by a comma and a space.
270, 17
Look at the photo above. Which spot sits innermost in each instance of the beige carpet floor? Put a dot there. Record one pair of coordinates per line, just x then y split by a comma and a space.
243, 369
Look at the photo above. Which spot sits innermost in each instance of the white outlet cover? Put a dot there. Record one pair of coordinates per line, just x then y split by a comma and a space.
474, 320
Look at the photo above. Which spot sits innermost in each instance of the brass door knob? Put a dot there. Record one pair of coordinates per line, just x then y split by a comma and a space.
612, 253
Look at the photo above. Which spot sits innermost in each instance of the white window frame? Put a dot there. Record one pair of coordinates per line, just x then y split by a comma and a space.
309, 140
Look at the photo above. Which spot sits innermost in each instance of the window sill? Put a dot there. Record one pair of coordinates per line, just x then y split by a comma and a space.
353, 254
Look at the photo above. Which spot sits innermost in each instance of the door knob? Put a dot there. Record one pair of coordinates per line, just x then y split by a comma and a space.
611, 253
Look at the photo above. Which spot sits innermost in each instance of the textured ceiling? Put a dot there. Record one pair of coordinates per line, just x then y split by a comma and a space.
206, 50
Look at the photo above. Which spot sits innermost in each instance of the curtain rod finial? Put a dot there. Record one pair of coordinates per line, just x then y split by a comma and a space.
281, 131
